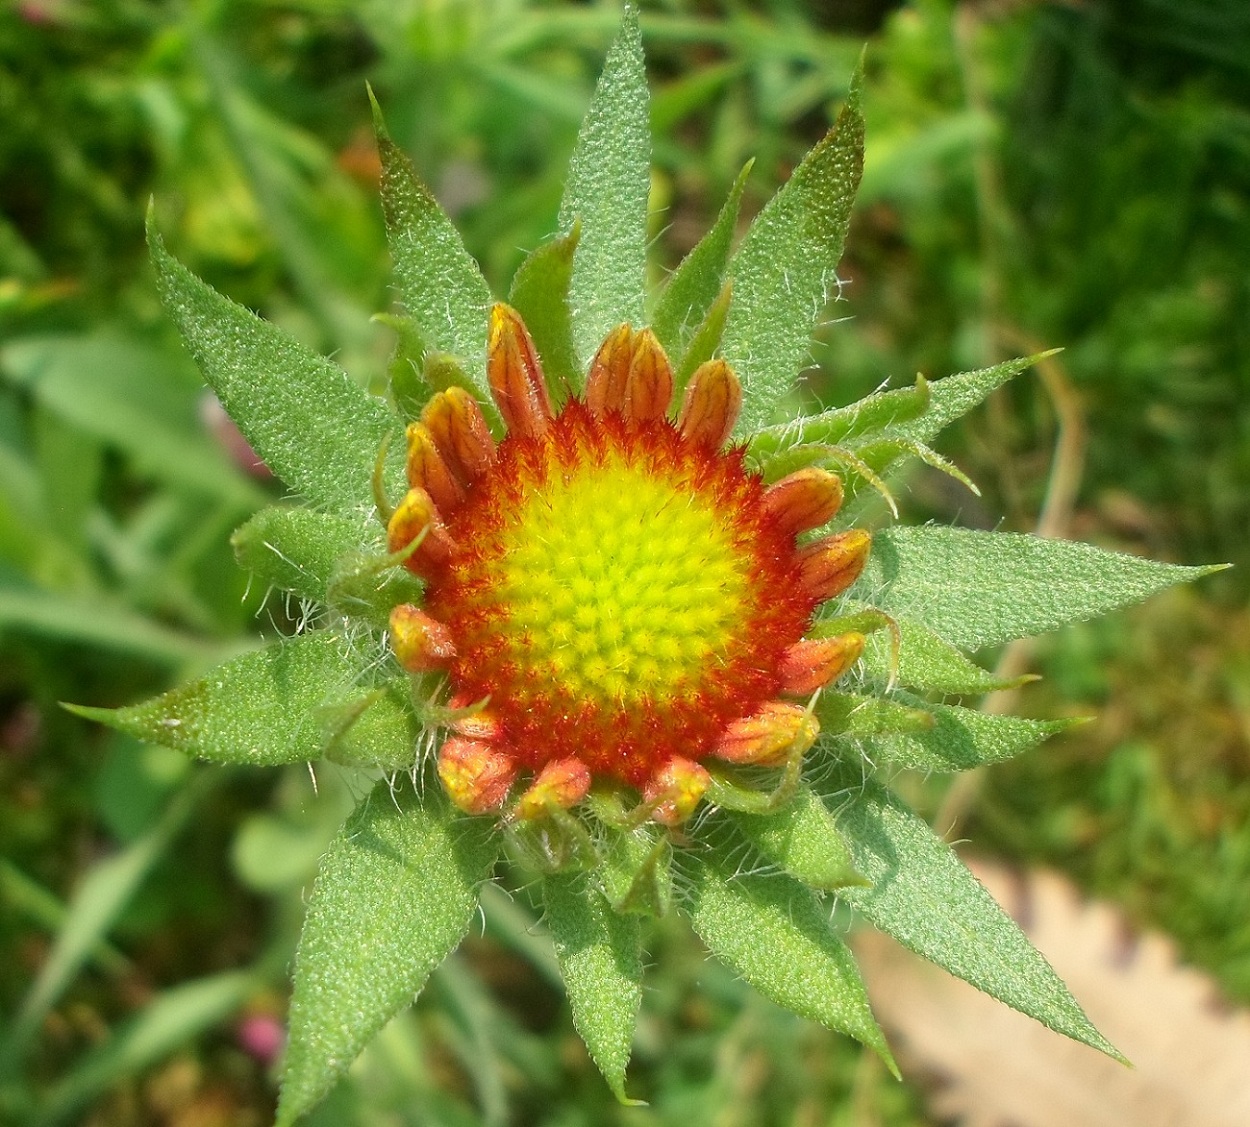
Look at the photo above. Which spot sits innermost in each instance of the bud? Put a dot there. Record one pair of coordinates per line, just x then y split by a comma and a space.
804, 499
421, 643
416, 515
563, 783
711, 405
816, 662
829, 566
475, 775
769, 737
675, 789
427, 470
459, 430
609, 372
516, 378
649, 387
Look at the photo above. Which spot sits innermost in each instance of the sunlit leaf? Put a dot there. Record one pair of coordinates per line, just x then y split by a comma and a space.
982, 588
803, 839
777, 935
600, 953
315, 428
395, 894
608, 183
786, 268
924, 896
440, 285
293, 701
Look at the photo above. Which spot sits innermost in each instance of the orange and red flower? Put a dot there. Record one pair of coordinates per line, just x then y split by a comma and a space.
611, 592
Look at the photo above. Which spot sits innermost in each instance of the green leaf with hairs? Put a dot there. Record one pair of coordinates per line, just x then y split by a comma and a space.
953, 739
396, 893
440, 284
332, 560
925, 897
608, 183
282, 704
691, 289
785, 270
979, 589
777, 935
927, 663
803, 839
540, 293
315, 428
600, 954
955, 396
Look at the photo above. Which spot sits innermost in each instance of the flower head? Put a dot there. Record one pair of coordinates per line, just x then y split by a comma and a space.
612, 593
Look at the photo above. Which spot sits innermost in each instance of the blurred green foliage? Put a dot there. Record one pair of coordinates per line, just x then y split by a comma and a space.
1038, 174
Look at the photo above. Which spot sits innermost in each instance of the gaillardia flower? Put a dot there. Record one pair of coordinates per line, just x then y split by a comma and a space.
612, 594
622, 584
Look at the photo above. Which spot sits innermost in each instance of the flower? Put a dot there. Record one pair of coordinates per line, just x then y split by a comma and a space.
612, 594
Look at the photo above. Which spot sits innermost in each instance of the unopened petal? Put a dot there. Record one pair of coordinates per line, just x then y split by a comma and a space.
459, 429
770, 736
816, 662
676, 789
476, 775
711, 404
830, 565
421, 643
562, 784
804, 500
516, 377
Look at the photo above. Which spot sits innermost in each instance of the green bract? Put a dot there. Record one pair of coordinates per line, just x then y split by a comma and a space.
757, 877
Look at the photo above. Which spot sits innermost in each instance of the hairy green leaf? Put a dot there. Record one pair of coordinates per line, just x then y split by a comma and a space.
282, 704
924, 896
840, 426
637, 871
777, 935
982, 588
785, 270
540, 293
705, 340
691, 289
316, 429
955, 396
927, 663
326, 558
440, 285
396, 892
803, 839
607, 187
600, 953
957, 739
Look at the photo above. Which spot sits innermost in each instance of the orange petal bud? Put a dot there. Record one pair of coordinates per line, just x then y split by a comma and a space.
649, 387
769, 737
421, 643
476, 775
417, 514
428, 471
458, 428
475, 723
516, 377
710, 408
676, 789
829, 566
804, 499
609, 372
816, 662
563, 783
